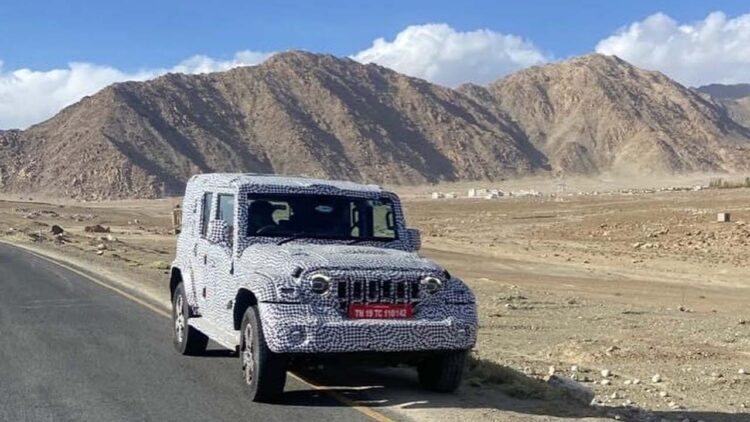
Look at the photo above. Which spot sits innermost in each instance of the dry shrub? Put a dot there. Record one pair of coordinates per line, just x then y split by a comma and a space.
160, 265
511, 382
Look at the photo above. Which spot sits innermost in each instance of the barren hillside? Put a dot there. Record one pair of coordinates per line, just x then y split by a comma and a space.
736, 99
726, 92
318, 115
597, 112
298, 113
739, 110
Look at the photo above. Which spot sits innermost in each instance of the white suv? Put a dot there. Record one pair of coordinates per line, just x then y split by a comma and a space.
282, 268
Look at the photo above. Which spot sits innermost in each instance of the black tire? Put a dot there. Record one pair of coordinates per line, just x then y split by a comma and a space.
442, 372
263, 371
186, 339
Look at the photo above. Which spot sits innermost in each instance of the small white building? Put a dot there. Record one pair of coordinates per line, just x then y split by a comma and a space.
526, 193
485, 193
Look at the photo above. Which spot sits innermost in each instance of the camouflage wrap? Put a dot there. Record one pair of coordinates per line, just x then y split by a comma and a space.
296, 319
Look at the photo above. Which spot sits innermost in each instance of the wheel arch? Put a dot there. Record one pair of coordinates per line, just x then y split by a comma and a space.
245, 298
175, 278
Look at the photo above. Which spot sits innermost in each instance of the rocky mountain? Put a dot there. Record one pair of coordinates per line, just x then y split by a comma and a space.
596, 113
735, 98
297, 113
739, 110
726, 92
303, 113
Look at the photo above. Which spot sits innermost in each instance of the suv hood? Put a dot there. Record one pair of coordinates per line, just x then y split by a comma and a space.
288, 258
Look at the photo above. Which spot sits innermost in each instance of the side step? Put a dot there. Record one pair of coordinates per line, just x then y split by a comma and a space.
230, 340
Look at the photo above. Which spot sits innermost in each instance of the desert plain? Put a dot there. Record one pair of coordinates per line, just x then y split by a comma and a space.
632, 293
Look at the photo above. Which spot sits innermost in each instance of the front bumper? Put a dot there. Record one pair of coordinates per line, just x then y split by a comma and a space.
299, 328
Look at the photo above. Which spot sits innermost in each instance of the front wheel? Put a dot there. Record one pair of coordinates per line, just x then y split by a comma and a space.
264, 371
186, 339
442, 372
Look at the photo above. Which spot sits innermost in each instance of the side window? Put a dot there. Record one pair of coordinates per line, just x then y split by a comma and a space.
384, 226
206, 213
226, 211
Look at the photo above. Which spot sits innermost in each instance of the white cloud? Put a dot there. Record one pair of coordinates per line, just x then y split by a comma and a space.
715, 49
205, 64
440, 54
31, 96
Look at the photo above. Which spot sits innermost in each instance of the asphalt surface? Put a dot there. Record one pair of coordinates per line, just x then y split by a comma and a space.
71, 350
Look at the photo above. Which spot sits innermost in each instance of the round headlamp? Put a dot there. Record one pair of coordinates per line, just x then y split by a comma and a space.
321, 283
431, 284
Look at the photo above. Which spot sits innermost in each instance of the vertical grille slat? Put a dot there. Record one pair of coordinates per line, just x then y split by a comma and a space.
387, 291
414, 293
341, 290
400, 292
373, 291
358, 291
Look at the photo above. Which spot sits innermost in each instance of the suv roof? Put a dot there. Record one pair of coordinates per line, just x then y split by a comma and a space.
242, 179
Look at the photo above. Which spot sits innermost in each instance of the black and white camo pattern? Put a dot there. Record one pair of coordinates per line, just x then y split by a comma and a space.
295, 319
216, 231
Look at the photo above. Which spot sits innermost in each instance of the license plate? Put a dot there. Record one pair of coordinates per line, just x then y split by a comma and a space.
380, 311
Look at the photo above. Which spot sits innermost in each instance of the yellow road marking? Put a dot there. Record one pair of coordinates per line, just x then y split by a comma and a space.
345, 400
333, 394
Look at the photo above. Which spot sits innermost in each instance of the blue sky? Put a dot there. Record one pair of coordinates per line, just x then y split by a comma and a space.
54, 52
135, 34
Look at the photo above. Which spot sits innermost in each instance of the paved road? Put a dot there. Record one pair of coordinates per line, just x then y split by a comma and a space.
71, 350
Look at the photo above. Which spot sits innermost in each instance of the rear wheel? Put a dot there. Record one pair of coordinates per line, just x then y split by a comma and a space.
264, 371
442, 372
186, 339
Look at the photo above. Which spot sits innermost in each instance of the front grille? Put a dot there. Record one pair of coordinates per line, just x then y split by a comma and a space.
377, 291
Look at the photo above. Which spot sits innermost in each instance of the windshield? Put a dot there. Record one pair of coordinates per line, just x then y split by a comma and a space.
321, 216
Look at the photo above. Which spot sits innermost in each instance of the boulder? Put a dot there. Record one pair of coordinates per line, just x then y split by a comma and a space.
96, 228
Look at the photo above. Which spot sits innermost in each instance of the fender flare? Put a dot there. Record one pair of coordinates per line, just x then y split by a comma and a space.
177, 275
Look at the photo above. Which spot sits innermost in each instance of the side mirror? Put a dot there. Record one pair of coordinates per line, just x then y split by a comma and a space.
218, 232
413, 239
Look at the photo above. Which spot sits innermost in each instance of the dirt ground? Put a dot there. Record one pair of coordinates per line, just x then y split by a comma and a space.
639, 297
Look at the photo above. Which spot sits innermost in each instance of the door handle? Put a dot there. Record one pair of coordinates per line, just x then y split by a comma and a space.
205, 259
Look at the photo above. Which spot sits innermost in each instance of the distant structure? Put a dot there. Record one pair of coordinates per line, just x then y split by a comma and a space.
526, 193
485, 193
176, 219
562, 187
444, 195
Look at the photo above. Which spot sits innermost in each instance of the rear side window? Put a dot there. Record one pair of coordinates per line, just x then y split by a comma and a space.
206, 212
226, 211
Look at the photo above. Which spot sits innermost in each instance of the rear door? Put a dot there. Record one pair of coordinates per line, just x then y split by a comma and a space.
200, 264
221, 287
